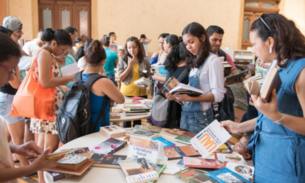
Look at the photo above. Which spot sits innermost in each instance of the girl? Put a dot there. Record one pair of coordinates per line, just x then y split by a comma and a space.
102, 88
206, 74
59, 43
131, 67
176, 65
280, 123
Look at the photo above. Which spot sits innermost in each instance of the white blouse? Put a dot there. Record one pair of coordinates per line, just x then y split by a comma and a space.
211, 80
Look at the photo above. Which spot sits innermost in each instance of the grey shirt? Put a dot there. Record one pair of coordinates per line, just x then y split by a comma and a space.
144, 65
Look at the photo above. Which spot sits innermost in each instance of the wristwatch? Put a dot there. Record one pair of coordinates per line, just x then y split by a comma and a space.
280, 121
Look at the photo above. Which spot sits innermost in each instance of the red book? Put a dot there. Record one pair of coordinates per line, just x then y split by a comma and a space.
195, 162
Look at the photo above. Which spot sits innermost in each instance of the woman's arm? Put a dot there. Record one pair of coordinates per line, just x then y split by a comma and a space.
243, 127
15, 83
294, 123
106, 87
44, 62
159, 78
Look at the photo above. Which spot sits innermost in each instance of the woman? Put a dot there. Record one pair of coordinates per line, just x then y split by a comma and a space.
111, 60
176, 65
10, 55
131, 67
280, 124
159, 56
78, 43
59, 43
62, 61
16, 125
102, 88
206, 74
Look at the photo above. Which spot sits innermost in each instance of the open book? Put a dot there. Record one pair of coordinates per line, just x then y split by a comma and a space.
186, 89
233, 77
159, 70
170, 84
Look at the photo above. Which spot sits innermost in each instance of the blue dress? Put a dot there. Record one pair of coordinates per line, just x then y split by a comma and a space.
278, 152
96, 107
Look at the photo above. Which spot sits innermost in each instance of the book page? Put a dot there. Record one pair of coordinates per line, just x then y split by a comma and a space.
69, 69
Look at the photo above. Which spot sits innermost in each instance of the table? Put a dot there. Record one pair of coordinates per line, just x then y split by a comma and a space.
98, 174
130, 118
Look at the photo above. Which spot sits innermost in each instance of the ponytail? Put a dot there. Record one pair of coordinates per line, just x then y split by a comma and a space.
95, 53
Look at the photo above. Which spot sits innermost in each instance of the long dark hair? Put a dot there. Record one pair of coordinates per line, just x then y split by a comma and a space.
8, 48
174, 56
126, 54
81, 51
289, 42
95, 53
195, 29
61, 36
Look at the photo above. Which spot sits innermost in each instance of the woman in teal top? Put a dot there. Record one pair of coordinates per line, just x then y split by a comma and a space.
278, 142
96, 57
111, 60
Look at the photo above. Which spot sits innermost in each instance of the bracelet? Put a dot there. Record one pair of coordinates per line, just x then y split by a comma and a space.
280, 121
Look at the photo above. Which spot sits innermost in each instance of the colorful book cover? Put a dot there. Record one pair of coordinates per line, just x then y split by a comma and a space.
242, 170
112, 131
138, 170
143, 148
170, 84
180, 151
54, 176
171, 153
175, 131
210, 139
164, 142
225, 175
195, 162
184, 138
234, 158
109, 146
72, 160
107, 160
171, 170
190, 175
158, 168
154, 129
79, 151
142, 133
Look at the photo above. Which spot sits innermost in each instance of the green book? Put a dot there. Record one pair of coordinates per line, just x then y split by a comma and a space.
185, 137
158, 168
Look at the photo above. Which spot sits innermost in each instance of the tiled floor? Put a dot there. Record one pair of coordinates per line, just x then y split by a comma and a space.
238, 115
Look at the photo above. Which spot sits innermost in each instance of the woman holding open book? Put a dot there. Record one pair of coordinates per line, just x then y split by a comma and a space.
131, 67
206, 74
278, 142
176, 65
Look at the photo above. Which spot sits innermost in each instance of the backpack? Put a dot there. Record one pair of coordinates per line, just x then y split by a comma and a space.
224, 110
74, 115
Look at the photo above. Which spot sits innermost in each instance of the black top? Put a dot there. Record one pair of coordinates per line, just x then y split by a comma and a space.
174, 109
8, 89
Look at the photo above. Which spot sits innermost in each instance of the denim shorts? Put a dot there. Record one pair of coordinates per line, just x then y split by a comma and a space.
6, 101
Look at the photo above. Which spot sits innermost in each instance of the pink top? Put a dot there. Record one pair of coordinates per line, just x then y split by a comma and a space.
6, 160
229, 60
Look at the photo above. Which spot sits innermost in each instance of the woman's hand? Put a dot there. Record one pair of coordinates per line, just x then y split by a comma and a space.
41, 162
64, 88
182, 98
169, 96
131, 61
268, 109
29, 149
230, 126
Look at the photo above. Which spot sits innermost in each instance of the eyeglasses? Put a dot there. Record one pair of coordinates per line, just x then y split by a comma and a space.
261, 18
11, 71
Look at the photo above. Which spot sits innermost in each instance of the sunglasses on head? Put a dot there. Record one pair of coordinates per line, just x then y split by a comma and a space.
264, 22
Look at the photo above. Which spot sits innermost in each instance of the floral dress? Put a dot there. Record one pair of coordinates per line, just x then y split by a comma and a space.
43, 126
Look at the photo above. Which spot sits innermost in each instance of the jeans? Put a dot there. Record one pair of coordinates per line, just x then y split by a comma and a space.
112, 78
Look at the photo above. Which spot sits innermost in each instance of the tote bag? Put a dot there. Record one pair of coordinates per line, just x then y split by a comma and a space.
33, 101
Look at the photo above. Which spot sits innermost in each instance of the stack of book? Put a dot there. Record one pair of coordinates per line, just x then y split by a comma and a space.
112, 131
144, 131
135, 109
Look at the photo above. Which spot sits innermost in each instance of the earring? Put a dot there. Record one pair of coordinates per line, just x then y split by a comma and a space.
270, 50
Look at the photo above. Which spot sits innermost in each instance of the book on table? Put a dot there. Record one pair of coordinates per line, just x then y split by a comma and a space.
112, 131
78, 151
142, 133
172, 169
197, 162
185, 138
138, 170
107, 160
135, 113
225, 175
175, 131
243, 170
191, 175
170, 84
115, 116
178, 152
158, 168
271, 81
186, 89
109, 146
153, 129
164, 142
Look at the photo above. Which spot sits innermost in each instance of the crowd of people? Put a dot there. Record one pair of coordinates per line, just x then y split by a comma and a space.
192, 58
